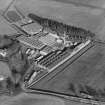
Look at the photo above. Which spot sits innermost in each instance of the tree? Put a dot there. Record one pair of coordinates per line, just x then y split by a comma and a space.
16, 59
91, 91
72, 88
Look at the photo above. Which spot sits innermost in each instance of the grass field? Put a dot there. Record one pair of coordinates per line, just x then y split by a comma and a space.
91, 3
5, 28
31, 99
4, 4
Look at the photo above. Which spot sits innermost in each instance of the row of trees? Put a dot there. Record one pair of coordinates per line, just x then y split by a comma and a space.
86, 91
61, 28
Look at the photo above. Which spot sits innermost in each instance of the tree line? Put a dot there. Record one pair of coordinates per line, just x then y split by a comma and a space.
61, 28
86, 91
